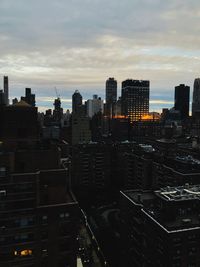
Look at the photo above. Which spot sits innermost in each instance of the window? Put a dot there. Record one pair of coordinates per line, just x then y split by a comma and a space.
2, 171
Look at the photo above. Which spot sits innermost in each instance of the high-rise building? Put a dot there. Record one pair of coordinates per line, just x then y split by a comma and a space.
2, 98
6, 89
111, 96
80, 126
135, 99
161, 228
182, 100
76, 101
196, 97
38, 214
94, 106
29, 97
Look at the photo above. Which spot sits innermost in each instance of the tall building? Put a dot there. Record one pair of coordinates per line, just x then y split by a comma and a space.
111, 96
161, 228
58, 111
76, 101
196, 97
38, 215
29, 97
80, 126
182, 100
94, 106
6, 89
135, 99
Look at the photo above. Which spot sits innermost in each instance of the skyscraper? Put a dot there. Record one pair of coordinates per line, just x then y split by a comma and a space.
29, 97
196, 96
182, 100
135, 99
111, 96
94, 106
6, 89
76, 101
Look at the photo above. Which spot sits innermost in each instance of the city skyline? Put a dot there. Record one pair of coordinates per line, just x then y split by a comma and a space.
44, 102
70, 47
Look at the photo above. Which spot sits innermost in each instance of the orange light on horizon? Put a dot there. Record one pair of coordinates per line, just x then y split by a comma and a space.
151, 117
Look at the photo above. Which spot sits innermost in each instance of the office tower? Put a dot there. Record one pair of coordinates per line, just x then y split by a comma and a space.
161, 228
6, 89
196, 97
76, 101
135, 99
80, 126
182, 100
58, 111
111, 96
94, 106
2, 98
29, 97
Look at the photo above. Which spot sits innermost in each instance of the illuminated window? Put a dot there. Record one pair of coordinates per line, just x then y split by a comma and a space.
23, 253
26, 252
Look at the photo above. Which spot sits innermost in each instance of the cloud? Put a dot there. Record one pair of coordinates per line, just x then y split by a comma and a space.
78, 44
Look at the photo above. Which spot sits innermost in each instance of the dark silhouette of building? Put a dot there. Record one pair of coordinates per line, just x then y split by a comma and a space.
174, 171
91, 168
135, 99
196, 97
29, 97
18, 124
111, 96
161, 228
76, 101
6, 89
80, 124
182, 100
38, 214
2, 98
58, 111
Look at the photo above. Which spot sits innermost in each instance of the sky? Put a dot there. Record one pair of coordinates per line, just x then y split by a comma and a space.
78, 44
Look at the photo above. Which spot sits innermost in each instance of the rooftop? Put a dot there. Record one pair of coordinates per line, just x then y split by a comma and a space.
179, 193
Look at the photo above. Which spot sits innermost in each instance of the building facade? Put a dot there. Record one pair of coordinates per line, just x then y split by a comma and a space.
161, 228
196, 97
182, 100
135, 99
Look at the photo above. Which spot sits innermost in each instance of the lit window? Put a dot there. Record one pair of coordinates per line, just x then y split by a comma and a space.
26, 252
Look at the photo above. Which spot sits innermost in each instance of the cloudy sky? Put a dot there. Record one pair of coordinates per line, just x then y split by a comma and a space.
78, 44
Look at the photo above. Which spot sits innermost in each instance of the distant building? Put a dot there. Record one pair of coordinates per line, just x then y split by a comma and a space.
182, 100
94, 106
196, 97
161, 228
76, 101
29, 97
80, 126
58, 111
2, 98
6, 89
135, 99
111, 96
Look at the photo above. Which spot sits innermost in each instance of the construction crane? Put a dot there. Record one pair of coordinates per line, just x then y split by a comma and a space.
58, 96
